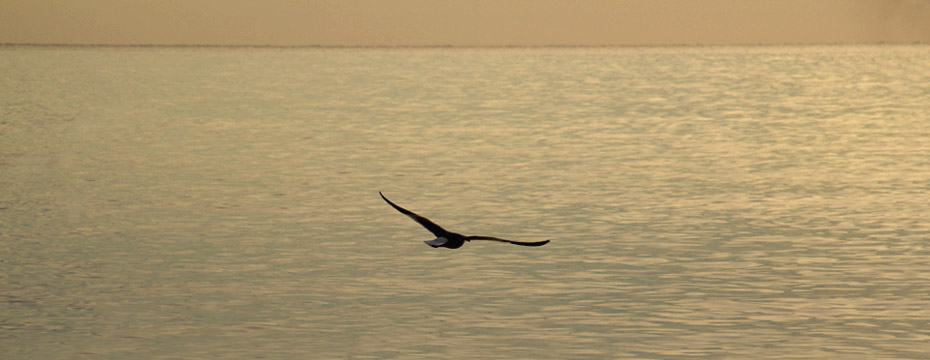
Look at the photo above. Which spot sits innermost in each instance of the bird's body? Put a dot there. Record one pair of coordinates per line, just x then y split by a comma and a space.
448, 239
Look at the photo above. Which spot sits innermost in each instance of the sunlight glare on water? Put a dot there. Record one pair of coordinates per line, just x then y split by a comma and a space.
757, 202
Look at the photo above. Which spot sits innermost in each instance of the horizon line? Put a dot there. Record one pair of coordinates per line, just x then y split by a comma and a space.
451, 46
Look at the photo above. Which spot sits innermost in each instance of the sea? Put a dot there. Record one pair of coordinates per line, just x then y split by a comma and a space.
744, 202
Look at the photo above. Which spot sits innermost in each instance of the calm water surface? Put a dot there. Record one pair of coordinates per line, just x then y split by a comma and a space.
188, 203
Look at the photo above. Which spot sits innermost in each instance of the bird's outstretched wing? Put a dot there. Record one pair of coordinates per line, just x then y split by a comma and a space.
534, 243
429, 225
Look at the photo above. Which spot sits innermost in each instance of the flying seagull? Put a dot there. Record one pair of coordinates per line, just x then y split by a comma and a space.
450, 239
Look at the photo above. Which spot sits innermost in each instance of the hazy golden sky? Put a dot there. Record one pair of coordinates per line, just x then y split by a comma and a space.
463, 22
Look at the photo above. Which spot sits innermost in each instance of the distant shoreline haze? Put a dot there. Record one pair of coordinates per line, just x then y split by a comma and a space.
464, 23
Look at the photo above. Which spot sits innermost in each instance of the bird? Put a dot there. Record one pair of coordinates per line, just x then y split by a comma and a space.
448, 239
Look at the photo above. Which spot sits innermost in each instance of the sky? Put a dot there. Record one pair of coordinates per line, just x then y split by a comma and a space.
463, 22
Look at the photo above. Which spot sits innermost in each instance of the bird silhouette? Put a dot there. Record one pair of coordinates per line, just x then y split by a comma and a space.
448, 239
